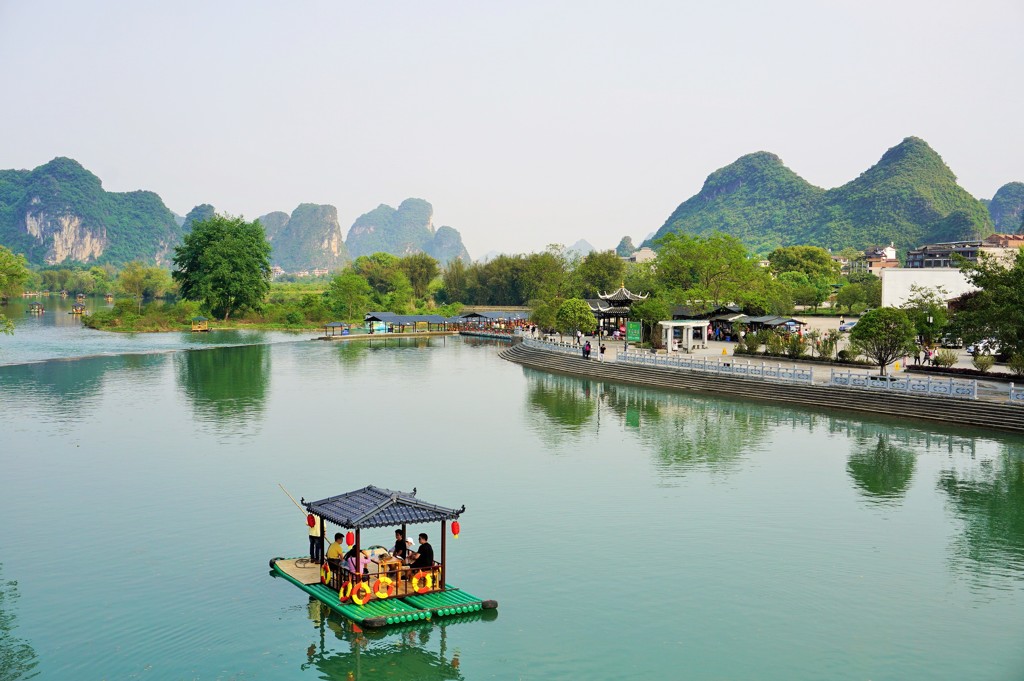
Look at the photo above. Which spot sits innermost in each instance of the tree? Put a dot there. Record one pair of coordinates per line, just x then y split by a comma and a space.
813, 261
872, 287
649, 312
575, 315
927, 309
13, 274
544, 313
600, 271
884, 335
456, 280
224, 262
132, 281
349, 295
850, 295
712, 269
421, 269
996, 310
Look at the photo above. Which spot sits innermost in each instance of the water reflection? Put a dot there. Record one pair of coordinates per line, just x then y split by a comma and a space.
66, 383
17, 658
987, 494
226, 385
880, 470
566, 402
419, 651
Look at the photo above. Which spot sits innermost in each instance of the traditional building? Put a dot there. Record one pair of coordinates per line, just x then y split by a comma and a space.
612, 309
878, 258
1002, 247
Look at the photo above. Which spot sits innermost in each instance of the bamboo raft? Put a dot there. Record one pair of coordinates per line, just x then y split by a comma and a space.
377, 613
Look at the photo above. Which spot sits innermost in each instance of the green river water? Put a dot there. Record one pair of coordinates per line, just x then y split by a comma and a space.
626, 533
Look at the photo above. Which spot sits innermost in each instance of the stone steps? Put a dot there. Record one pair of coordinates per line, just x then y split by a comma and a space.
951, 411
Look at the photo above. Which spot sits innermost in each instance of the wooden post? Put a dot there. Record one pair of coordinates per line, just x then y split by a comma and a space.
323, 555
444, 552
359, 558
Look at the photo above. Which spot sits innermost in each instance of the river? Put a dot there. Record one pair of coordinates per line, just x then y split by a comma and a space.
626, 533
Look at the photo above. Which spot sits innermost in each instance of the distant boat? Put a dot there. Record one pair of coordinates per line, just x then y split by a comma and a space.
77, 309
35, 308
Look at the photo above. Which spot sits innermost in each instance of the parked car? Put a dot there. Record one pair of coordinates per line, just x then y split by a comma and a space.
986, 346
949, 341
848, 326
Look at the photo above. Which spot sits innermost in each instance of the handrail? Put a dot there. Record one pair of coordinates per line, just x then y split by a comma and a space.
910, 385
1017, 394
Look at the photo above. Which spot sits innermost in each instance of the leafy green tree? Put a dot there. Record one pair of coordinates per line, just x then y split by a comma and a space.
649, 312
224, 262
132, 281
872, 287
13, 274
457, 284
421, 269
997, 309
546, 274
544, 313
884, 335
349, 295
711, 270
850, 295
927, 309
813, 261
574, 314
599, 271
804, 290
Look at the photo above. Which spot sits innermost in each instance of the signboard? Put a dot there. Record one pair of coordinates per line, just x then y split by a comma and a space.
633, 332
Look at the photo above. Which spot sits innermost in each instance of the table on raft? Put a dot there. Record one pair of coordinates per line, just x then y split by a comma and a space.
379, 612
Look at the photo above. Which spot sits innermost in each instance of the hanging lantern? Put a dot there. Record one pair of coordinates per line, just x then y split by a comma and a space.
311, 520
455, 528
350, 538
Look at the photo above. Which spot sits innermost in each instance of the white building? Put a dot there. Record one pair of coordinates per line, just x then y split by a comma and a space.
896, 283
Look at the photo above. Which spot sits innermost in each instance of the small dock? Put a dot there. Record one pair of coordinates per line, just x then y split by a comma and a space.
386, 336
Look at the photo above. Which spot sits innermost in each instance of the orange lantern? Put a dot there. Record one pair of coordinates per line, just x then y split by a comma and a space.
455, 528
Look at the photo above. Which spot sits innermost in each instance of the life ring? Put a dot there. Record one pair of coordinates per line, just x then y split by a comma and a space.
325, 573
427, 578
384, 587
361, 594
345, 592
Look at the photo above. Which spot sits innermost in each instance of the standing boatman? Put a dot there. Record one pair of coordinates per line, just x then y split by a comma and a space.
316, 540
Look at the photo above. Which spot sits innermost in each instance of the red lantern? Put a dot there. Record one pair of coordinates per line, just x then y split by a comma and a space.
455, 528
311, 520
350, 538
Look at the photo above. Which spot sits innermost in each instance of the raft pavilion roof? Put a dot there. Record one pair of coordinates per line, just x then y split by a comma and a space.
377, 507
404, 319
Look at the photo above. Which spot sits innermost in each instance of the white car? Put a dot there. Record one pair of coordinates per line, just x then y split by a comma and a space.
986, 346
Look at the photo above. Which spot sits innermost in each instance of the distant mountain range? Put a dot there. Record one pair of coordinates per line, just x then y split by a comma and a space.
908, 198
60, 213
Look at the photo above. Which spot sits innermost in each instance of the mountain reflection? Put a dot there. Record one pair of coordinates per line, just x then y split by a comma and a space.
17, 658
988, 495
880, 470
419, 651
68, 383
226, 384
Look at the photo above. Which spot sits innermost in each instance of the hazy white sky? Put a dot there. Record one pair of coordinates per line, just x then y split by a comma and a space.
523, 123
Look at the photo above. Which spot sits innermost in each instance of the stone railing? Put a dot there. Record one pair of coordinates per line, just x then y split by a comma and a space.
911, 385
1016, 394
714, 365
564, 348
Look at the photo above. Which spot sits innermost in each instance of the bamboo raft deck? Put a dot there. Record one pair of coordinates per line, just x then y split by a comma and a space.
404, 606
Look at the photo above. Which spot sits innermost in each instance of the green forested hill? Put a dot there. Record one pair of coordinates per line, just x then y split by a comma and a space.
909, 197
1007, 208
405, 230
60, 212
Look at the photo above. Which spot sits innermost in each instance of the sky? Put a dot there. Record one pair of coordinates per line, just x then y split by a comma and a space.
524, 123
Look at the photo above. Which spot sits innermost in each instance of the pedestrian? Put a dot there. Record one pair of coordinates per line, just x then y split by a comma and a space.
586, 350
917, 354
579, 337
601, 356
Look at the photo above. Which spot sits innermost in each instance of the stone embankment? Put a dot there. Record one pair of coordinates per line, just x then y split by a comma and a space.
951, 411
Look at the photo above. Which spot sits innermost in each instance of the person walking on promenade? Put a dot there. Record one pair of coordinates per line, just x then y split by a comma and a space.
917, 354
601, 355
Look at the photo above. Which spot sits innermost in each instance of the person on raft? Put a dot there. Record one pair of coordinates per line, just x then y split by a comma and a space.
335, 552
402, 544
424, 558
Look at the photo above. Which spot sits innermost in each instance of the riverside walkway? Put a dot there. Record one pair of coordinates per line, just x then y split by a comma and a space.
806, 383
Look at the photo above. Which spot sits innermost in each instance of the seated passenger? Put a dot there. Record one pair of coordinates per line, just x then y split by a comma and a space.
424, 558
335, 552
401, 549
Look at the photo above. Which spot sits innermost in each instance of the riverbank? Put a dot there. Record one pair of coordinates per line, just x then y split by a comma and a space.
982, 413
